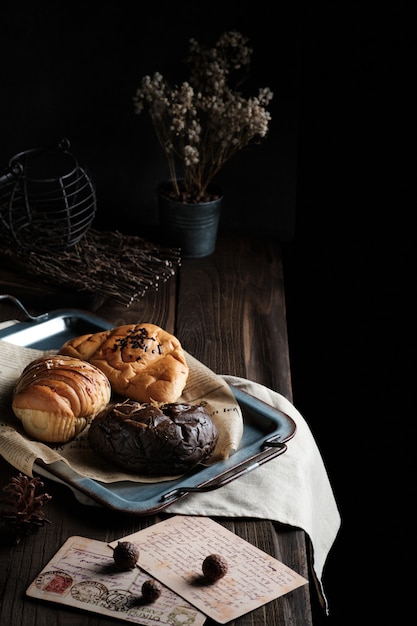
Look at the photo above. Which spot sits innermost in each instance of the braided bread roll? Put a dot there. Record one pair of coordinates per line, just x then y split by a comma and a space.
56, 397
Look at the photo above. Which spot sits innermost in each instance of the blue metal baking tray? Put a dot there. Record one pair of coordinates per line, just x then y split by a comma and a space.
266, 430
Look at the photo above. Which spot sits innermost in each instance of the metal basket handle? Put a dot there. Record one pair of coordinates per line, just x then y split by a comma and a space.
32, 318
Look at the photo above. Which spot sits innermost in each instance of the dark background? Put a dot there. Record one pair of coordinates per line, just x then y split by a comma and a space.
72, 69
350, 292
332, 182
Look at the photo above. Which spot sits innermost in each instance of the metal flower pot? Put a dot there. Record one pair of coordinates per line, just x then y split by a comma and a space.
192, 227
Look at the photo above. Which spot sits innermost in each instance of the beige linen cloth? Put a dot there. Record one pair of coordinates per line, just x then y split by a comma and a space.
293, 488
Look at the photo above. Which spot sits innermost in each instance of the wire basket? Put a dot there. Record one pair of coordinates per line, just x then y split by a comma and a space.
47, 200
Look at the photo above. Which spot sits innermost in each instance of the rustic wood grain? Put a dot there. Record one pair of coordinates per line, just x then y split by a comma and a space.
231, 312
228, 310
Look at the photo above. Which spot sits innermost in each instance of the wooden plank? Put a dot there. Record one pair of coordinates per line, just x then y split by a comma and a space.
231, 316
228, 310
231, 312
157, 307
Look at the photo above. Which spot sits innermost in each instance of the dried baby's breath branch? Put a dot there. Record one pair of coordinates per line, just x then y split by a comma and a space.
202, 123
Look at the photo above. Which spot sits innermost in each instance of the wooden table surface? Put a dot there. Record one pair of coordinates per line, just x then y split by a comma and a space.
228, 310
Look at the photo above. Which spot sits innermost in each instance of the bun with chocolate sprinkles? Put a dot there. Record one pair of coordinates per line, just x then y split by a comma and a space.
143, 362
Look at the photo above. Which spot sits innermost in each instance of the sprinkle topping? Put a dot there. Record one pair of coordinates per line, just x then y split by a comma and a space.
137, 339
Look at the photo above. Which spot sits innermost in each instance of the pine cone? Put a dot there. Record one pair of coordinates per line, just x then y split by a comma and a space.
20, 507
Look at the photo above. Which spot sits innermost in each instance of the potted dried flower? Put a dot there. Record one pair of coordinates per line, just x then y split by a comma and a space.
201, 124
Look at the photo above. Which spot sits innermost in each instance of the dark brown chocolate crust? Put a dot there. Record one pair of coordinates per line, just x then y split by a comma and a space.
153, 440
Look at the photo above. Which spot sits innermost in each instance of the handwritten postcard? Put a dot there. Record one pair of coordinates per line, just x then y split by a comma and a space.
82, 574
173, 551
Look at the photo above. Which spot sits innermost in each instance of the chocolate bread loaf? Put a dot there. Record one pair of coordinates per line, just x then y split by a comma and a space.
153, 439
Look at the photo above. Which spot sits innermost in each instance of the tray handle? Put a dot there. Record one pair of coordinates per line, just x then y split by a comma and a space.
32, 318
274, 449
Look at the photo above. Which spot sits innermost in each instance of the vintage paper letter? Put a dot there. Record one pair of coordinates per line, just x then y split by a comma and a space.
172, 551
82, 574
